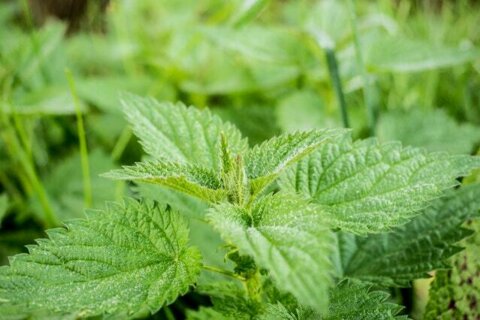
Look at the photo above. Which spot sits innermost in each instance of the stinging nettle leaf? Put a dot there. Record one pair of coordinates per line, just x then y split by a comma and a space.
192, 180
126, 260
367, 187
420, 246
285, 236
355, 300
266, 161
230, 302
176, 133
350, 299
280, 312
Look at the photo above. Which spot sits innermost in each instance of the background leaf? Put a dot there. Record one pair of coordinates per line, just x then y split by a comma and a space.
433, 130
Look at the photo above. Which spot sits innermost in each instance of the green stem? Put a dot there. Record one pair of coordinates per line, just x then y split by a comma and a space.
168, 313
224, 272
22, 133
121, 144
87, 185
337, 84
367, 94
253, 286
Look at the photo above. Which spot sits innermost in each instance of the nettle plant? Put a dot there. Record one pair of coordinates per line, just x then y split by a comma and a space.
315, 226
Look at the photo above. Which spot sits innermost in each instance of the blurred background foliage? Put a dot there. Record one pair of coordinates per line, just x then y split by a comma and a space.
399, 70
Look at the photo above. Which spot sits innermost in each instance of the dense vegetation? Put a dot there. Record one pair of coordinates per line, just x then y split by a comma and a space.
320, 165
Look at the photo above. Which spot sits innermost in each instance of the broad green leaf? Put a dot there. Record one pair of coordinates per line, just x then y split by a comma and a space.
433, 130
416, 248
274, 46
329, 22
367, 187
3, 207
126, 260
348, 300
266, 161
285, 236
355, 300
394, 54
192, 180
201, 233
173, 132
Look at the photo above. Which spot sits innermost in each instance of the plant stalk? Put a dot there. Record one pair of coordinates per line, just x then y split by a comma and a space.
337, 84
87, 184
367, 93
224, 272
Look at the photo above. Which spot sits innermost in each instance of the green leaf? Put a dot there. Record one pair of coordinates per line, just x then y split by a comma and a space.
173, 132
201, 233
286, 237
355, 300
192, 180
348, 300
229, 302
412, 250
367, 187
204, 313
433, 130
266, 161
280, 312
392, 54
126, 260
